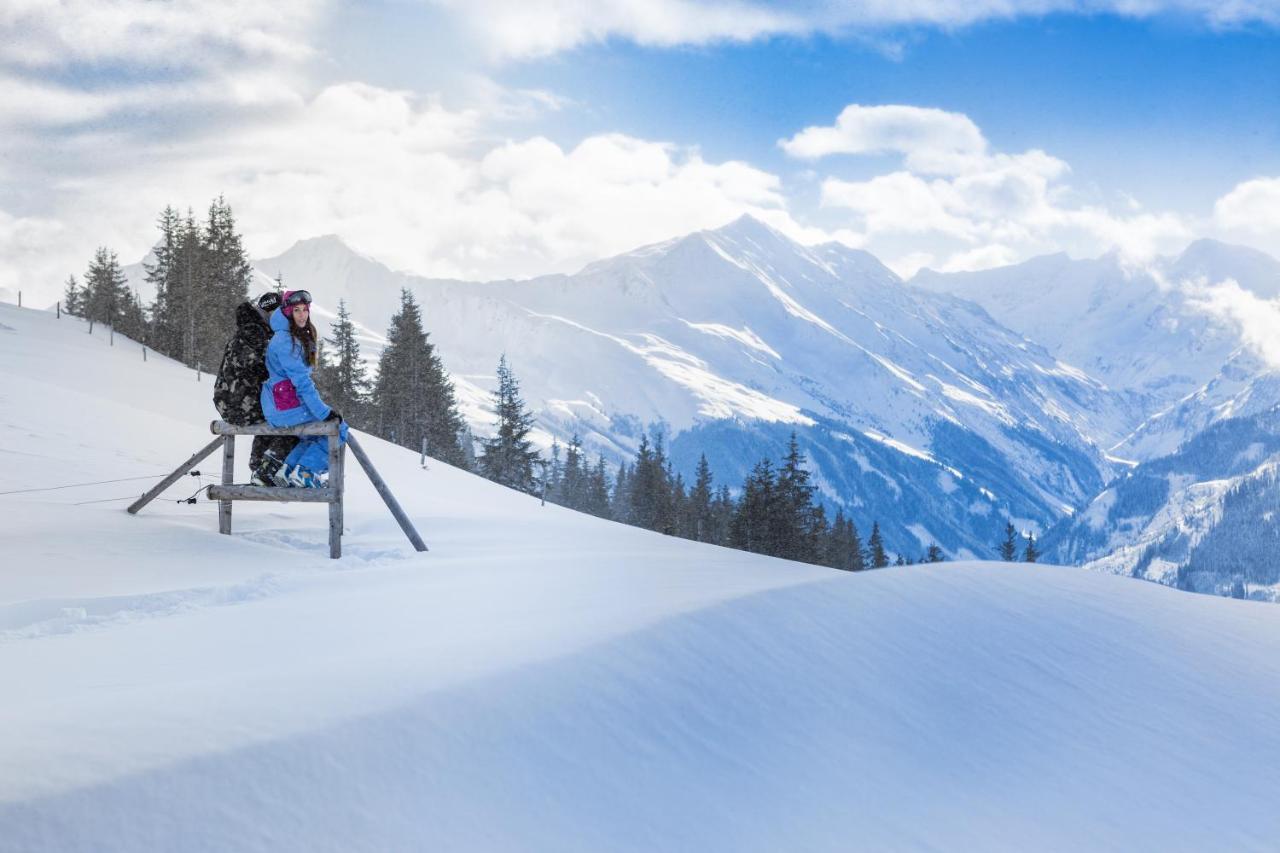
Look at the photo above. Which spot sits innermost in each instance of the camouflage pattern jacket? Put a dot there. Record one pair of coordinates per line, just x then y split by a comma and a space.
239, 384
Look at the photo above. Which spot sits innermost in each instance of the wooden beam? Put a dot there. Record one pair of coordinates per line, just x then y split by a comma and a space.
313, 428
385, 493
178, 474
271, 493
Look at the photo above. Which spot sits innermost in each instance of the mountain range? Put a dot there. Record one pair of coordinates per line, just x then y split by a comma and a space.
938, 407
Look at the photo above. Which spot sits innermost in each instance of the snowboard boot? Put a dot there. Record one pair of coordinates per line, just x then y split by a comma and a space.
302, 478
270, 472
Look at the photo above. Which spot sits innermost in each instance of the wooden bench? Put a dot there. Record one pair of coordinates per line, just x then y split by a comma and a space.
227, 492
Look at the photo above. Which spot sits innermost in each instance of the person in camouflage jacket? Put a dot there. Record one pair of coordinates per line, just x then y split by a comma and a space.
236, 391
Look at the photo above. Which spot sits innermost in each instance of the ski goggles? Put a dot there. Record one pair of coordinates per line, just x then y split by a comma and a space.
297, 297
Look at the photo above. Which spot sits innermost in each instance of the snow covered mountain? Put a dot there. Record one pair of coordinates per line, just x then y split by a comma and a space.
1140, 330
912, 405
1205, 518
547, 681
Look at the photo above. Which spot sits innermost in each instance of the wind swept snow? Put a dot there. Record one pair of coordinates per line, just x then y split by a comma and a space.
543, 680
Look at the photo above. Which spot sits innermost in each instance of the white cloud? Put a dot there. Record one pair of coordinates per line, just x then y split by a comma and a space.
1258, 319
964, 205
933, 141
517, 29
1252, 206
408, 181
176, 34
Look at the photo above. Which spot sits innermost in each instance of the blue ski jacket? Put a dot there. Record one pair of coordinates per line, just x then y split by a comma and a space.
289, 396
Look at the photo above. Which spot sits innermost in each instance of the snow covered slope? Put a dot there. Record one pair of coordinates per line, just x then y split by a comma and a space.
1140, 330
543, 680
1206, 518
912, 405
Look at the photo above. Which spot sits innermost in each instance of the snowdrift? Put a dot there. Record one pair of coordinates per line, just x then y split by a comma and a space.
542, 680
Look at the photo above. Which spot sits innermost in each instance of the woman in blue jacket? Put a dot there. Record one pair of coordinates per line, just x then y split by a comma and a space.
289, 396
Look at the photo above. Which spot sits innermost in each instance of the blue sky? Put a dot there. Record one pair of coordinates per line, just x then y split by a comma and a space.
501, 138
1130, 104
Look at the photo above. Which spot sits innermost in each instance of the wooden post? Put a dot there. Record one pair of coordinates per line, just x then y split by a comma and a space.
341, 485
335, 505
59, 309
175, 476
228, 475
112, 339
144, 353
385, 493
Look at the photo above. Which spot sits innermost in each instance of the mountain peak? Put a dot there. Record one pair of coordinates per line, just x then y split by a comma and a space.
750, 227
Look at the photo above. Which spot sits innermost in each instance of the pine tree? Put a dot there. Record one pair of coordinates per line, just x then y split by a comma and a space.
555, 475
722, 512
620, 508
597, 490
341, 376
508, 458
166, 333
798, 532
1031, 553
647, 485
224, 284
879, 558
857, 556
1009, 547
699, 524
72, 298
412, 397
934, 554
574, 478
106, 295
751, 529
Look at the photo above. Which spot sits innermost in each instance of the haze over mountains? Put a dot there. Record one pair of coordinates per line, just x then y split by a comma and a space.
938, 407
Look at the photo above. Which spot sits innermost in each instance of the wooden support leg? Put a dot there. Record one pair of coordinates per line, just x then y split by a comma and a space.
389, 499
178, 474
335, 501
228, 475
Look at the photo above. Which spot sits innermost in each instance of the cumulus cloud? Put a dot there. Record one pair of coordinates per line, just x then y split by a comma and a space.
1252, 206
409, 181
519, 29
932, 141
968, 205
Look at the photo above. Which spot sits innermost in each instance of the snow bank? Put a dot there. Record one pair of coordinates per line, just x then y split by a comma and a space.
542, 680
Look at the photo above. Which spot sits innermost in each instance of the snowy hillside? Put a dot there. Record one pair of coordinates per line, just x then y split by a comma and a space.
912, 405
543, 680
1204, 518
1140, 330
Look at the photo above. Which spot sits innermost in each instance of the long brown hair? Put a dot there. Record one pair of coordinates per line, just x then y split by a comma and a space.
304, 338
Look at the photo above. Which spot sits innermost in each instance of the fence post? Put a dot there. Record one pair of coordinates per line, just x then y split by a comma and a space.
112, 340
144, 353
228, 475
335, 505
59, 309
